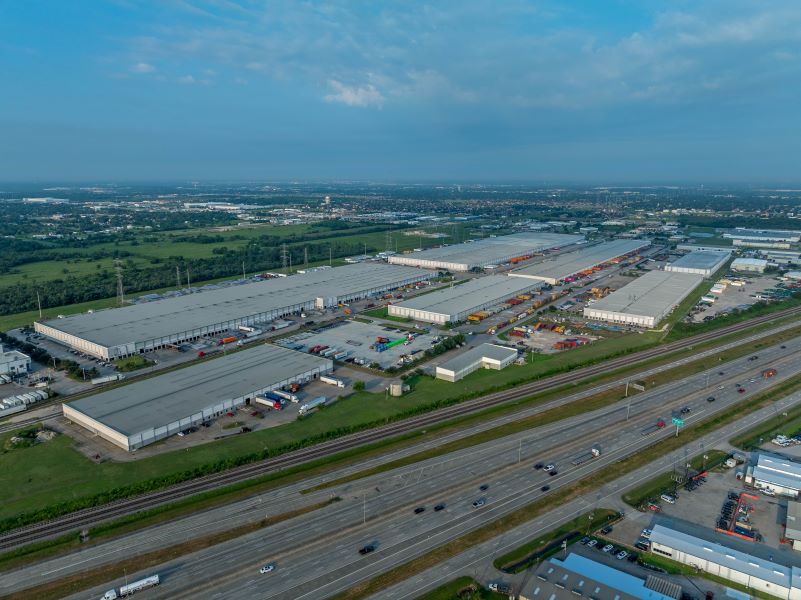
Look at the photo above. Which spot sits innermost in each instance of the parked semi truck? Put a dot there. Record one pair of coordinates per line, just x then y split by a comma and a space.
595, 452
131, 588
332, 381
273, 403
286, 395
311, 405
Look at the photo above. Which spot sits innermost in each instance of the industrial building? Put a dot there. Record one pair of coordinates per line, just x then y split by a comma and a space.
700, 262
457, 302
766, 576
489, 251
782, 257
780, 475
120, 332
763, 235
144, 412
792, 527
582, 577
13, 362
749, 265
569, 264
646, 300
486, 356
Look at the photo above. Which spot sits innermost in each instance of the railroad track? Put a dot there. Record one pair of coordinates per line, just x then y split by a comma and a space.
87, 517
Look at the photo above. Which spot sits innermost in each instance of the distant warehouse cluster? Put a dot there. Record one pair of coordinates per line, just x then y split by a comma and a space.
489, 251
646, 300
121, 332
567, 266
145, 412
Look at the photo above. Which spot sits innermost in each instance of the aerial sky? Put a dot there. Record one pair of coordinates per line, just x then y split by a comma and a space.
470, 90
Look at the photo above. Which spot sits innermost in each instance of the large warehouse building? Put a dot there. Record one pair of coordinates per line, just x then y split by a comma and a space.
456, 303
763, 235
489, 251
699, 262
765, 576
646, 300
120, 332
144, 412
572, 263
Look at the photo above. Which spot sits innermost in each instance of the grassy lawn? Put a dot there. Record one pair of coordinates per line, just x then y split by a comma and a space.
788, 425
383, 313
463, 588
545, 546
653, 488
133, 363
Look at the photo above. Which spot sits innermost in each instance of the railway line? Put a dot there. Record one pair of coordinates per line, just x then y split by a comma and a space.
87, 517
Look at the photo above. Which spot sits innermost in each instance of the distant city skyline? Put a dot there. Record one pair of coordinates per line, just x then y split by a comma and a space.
612, 92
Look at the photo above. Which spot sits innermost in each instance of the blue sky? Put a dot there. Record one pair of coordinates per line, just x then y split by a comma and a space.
593, 90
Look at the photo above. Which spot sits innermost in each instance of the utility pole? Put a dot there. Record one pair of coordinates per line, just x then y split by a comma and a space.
329, 255
283, 256
243, 270
306, 256
120, 289
39, 302
178, 276
188, 283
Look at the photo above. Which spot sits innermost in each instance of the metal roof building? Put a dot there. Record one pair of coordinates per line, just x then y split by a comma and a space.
757, 573
751, 265
487, 356
763, 235
457, 302
119, 332
569, 264
701, 262
777, 474
144, 412
646, 300
489, 251
579, 576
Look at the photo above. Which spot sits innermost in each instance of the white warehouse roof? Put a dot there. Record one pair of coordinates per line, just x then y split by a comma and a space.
566, 265
456, 302
703, 262
169, 317
169, 398
646, 300
490, 356
489, 251
777, 235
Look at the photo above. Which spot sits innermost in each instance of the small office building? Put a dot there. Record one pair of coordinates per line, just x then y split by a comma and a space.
485, 356
13, 362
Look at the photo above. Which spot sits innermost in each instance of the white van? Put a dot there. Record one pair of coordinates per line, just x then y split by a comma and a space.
668, 498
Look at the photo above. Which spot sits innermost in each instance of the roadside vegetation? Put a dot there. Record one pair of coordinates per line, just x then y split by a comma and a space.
462, 588
133, 363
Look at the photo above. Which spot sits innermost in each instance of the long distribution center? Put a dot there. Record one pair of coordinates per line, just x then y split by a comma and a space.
144, 412
456, 303
489, 251
120, 332
701, 262
646, 300
566, 265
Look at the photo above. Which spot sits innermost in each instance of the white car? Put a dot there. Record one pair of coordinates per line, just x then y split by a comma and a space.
549, 467
267, 568
622, 554
479, 503
646, 533
607, 548
668, 498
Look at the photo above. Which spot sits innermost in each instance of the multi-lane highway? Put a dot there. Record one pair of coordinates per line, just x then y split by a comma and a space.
92, 516
317, 553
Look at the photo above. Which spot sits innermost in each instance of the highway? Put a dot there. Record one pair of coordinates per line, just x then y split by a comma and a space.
89, 517
322, 546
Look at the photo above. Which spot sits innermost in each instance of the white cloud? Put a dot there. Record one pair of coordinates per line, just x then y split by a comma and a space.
362, 96
187, 80
142, 67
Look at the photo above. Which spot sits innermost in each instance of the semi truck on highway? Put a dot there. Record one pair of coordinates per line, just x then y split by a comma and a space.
653, 428
131, 588
589, 455
332, 381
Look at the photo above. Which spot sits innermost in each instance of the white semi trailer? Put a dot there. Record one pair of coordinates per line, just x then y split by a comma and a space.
131, 588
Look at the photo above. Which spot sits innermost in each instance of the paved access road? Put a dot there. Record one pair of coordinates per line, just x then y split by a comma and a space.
317, 554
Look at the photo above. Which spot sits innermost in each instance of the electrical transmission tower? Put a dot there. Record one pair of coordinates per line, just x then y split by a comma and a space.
120, 288
284, 256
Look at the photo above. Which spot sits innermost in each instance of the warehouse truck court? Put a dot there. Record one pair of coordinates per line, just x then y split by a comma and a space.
120, 332
144, 412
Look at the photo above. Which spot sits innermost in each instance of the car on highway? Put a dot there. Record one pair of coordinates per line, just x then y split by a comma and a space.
483, 487
549, 467
479, 503
721, 373
419, 509
538, 466
545, 488
554, 472
754, 357
366, 549
740, 390
685, 410
439, 507
608, 548
710, 398
622, 554
268, 568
